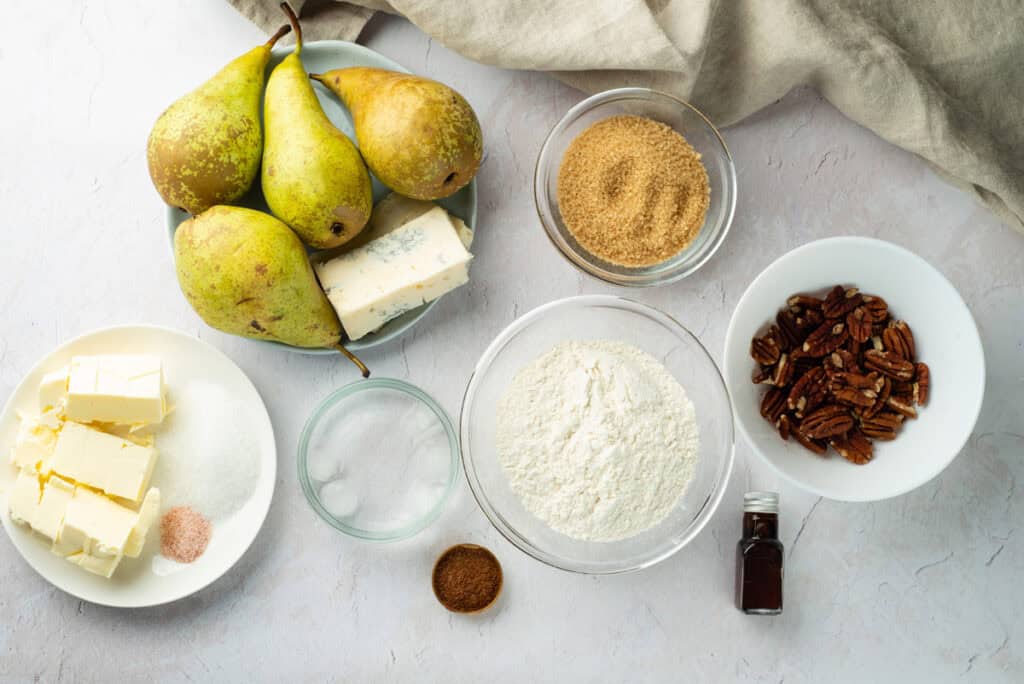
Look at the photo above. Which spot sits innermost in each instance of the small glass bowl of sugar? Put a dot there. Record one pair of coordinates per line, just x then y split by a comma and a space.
378, 459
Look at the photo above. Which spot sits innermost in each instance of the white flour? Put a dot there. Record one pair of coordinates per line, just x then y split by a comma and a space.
597, 439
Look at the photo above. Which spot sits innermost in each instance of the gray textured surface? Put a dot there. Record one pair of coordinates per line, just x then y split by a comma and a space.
920, 588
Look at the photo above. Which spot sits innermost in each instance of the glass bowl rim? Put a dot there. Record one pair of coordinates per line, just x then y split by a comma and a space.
508, 531
345, 392
590, 266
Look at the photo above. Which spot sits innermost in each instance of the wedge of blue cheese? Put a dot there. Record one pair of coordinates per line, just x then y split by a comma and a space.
404, 268
393, 212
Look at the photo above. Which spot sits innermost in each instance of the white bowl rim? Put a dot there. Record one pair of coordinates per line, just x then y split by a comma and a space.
974, 341
508, 531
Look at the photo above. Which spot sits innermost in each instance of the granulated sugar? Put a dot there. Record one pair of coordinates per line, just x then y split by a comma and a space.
209, 459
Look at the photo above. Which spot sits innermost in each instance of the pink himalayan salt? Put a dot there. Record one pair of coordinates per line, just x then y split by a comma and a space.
184, 534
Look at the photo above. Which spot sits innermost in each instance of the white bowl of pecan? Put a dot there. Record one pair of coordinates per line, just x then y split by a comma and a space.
856, 370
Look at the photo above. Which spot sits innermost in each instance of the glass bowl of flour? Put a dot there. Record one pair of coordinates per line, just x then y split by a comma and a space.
597, 434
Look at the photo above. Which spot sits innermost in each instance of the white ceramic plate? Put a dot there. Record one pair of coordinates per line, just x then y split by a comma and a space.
318, 57
946, 339
135, 583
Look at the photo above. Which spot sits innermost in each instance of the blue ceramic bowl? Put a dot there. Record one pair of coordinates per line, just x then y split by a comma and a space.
318, 57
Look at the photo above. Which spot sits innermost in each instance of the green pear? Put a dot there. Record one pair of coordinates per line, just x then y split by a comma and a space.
246, 273
419, 137
313, 177
205, 148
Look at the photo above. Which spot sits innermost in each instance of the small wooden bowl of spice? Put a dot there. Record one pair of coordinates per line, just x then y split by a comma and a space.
467, 579
635, 187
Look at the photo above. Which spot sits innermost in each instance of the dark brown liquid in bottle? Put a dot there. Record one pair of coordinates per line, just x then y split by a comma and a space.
759, 565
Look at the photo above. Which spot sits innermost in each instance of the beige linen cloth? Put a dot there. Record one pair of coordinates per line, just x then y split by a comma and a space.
942, 78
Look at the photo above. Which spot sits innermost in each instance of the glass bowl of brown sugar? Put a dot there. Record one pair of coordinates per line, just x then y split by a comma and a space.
635, 187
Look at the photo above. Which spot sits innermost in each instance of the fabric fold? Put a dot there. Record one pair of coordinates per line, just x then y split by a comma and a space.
943, 80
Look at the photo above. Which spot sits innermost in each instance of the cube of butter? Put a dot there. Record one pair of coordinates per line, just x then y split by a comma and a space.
99, 564
148, 512
23, 499
49, 514
52, 390
127, 390
112, 464
33, 447
95, 531
407, 267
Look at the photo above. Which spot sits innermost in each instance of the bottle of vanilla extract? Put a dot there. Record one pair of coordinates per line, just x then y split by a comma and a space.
759, 556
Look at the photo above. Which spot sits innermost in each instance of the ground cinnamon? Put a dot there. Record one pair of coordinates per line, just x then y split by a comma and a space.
467, 578
632, 191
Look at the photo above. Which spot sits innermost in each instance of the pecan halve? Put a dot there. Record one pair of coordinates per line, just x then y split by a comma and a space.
883, 425
922, 383
818, 446
807, 392
842, 360
899, 338
857, 398
780, 339
791, 335
773, 404
827, 421
782, 374
809, 319
855, 390
859, 323
875, 306
762, 375
853, 446
840, 302
903, 391
785, 427
853, 346
804, 302
880, 400
825, 339
765, 350
871, 381
902, 407
803, 363
889, 363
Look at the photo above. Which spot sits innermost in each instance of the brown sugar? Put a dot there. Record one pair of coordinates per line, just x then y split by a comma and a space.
467, 578
632, 191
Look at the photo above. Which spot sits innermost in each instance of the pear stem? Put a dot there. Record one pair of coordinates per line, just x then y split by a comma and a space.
353, 358
294, 21
281, 33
